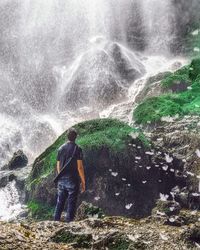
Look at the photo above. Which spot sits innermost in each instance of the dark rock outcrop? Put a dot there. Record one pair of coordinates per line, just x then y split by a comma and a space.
125, 174
19, 160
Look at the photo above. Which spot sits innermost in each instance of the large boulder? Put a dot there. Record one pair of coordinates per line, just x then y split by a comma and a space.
99, 77
125, 175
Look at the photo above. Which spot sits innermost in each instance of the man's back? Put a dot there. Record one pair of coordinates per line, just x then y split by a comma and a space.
64, 153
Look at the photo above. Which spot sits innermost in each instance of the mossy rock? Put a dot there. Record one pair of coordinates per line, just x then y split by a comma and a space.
153, 109
87, 210
191, 235
118, 242
77, 240
110, 147
40, 211
177, 81
186, 102
194, 70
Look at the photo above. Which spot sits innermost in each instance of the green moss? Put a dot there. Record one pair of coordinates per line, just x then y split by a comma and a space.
194, 69
186, 102
119, 243
78, 240
40, 211
153, 109
177, 78
93, 210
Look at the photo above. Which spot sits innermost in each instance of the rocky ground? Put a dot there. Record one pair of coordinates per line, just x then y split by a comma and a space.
116, 233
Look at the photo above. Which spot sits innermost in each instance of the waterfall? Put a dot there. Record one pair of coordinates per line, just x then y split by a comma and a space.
62, 61
159, 19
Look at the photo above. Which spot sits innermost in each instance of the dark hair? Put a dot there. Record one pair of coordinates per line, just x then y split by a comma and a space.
71, 134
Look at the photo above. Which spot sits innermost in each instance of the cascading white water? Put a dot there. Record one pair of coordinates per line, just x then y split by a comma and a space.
60, 60
159, 22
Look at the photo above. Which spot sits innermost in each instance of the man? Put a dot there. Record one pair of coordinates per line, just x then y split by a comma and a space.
69, 181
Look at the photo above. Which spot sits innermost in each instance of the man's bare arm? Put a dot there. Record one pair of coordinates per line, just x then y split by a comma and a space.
81, 174
58, 167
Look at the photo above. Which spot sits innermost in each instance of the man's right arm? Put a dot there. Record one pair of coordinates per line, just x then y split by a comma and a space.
58, 167
81, 174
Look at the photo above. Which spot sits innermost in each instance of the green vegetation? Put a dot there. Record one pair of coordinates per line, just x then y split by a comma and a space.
186, 102
153, 109
177, 78
119, 243
78, 240
40, 211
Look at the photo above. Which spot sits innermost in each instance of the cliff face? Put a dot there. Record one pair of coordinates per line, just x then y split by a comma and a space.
125, 173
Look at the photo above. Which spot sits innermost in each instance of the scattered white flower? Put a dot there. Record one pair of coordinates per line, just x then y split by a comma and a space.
138, 157
110, 170
117, 194
189, 88
197, 152
128, 184
157, 166
149, 153
163, 237
168, 158
139, 147
148, 168
134, 135
133, 237
97, 198
171, 208
165, 168
114, 174
172, 170
160, 213
159, 139
136, 161
144, 182
193, 212
164, 197
128, 206
195, 33
159, 181
123, 179
196, 49
167, 119
190, 173
134, 145
171, 219
196, 194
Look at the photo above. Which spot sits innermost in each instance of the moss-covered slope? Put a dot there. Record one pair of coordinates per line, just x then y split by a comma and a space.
184, 100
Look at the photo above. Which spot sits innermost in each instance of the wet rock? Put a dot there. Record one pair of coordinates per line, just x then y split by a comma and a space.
19, 160
87, 210
168, 208
101, 77
77, 240
192, 235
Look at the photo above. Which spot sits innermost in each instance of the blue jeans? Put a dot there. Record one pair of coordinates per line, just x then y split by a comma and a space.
67, 191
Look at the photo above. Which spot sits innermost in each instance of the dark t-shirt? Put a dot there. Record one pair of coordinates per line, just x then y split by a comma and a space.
64, 153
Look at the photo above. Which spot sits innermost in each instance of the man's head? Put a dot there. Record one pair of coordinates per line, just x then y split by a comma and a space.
71, 134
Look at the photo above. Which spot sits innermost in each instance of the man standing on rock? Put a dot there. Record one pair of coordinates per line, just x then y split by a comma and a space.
70, 172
